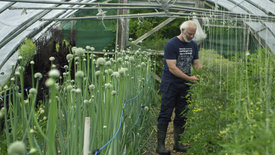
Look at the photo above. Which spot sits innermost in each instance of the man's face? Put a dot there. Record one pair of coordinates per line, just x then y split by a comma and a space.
189, 34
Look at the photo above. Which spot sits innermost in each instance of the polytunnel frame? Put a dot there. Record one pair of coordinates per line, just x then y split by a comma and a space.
74, 6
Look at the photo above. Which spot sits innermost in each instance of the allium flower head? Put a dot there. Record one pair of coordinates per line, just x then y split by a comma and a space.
33, 91
97, 73
38, 75
122, 71
50, 82
108, 85
54, 73
51, 58
100, 61
113, 92
17, 148
115, 74
79, 74
108, 63
131, 59
91, 87
69, 57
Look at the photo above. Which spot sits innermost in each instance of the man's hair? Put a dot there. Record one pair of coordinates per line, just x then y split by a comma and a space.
185, 25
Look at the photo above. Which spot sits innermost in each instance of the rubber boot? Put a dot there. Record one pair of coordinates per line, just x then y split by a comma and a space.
178, 130
161, 135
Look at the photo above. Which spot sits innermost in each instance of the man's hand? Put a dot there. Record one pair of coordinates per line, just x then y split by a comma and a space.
193, 79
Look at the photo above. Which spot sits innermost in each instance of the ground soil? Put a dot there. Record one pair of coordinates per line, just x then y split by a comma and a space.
169, 142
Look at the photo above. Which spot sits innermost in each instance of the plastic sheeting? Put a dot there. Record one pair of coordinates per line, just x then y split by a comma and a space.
264, 30
16, 25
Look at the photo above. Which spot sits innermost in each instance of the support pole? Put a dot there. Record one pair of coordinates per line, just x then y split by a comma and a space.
86, 149
122, 28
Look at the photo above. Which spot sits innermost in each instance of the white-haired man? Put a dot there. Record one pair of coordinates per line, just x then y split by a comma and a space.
180, 53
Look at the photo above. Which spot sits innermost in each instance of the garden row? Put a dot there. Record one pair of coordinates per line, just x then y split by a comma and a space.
232, 108
114, 91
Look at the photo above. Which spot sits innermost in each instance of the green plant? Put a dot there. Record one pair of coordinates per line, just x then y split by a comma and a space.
27, 51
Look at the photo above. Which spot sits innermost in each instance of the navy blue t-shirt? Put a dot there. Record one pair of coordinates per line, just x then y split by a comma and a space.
184, 53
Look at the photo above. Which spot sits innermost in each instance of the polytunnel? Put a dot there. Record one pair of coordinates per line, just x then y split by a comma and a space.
100, 92
19, 20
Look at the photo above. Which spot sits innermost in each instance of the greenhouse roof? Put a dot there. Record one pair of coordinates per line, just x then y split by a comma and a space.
17, 24
264, 30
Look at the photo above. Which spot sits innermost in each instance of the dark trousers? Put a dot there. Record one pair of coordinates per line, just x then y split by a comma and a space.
173, 97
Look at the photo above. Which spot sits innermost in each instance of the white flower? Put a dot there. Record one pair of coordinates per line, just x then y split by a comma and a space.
54, 73
131, 59
108, 63
97, 73
38, 75
33, 91
66, 67
17, 148
51, 58
88, 47
108, 85
113, 92
78, 90
32, 62
91, 87
49, 82
119, 59
146, 108
122, 71
100, 61
115, 74
33, 150
69, 57
110, 71
69, 87
80, 51
79, 74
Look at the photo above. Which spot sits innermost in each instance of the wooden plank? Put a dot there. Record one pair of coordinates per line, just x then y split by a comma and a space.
155, 29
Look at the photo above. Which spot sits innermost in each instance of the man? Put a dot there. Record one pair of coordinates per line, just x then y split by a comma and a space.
180, 53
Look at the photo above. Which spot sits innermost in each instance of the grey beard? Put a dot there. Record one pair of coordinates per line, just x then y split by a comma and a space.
186, 39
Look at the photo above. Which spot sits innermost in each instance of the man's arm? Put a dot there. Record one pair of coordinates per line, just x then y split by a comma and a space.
177, 72
196, 64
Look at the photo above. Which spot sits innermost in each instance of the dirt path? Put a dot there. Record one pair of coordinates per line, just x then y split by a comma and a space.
169, 142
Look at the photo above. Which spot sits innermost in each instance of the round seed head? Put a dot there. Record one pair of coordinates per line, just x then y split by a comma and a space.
131, 59
50, 82
69, 57
78, 90
54, 73
17, 148
108, 63
79, 74
51, 59
33, 150
113, 92
100, 61
33, 91
115, 74
38, 75
92, 87
97, 73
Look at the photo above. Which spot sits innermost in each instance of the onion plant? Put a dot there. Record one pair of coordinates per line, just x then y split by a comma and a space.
114, 91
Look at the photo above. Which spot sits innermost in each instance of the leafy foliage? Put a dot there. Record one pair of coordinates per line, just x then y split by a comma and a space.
232, 107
